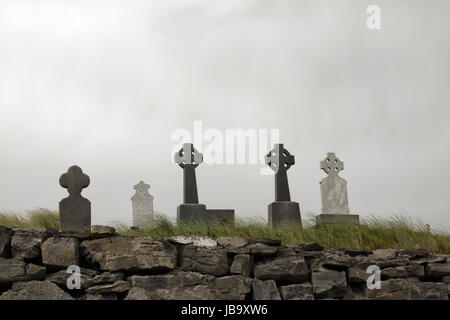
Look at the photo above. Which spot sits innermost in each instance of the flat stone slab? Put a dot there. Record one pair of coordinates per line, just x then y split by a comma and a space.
284, 212
197, 213
337, 218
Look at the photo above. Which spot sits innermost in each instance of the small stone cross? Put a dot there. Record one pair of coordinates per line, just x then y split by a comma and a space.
141, 187
74, 180
331, 164
188, 155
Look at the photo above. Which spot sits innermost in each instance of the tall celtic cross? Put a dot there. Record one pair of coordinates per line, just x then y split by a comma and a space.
188, 158
280, 160
75, 211
332, 165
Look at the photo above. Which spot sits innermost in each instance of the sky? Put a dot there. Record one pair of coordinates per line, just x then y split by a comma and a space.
105, 84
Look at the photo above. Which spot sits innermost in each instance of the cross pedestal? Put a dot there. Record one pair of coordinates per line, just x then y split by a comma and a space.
283, 210
191, 211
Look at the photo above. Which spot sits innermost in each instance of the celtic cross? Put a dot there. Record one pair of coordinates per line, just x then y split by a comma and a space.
280, 160
189, 158
331, 165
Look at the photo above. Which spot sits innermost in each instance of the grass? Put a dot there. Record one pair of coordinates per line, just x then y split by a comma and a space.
397, 232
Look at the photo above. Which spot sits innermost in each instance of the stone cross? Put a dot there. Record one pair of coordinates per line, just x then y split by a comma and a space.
142, 203
333, 188
280, 160
75, 211
189, 158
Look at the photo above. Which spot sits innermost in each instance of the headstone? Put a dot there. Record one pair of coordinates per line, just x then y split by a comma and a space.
283, 210
142, 203
75, 211
333, 191
188, 158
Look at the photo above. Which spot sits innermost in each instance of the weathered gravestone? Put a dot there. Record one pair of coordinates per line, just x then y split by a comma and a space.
283, 210
188, 158
333, 191
75, 211
142, 203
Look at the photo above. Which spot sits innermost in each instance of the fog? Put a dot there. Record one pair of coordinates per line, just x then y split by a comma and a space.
104, 84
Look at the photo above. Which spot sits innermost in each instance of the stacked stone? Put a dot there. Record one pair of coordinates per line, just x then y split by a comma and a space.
34, 263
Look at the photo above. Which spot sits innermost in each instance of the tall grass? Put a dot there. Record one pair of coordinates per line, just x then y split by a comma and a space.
397, 232
38, 218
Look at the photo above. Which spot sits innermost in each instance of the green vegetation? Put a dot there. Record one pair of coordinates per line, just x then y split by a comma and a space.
397, 232
38, 218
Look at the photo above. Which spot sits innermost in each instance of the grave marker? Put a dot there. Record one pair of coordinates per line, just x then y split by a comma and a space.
283, 210
333, 191
75, 211
142, 204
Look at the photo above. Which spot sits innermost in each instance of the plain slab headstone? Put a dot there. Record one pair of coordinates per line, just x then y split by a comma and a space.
283, 210
75, 211
142, 204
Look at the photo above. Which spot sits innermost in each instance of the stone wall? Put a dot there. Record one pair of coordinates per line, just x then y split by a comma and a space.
33, 265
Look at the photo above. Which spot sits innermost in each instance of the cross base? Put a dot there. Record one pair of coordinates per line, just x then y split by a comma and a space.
337, 219
197, 213
284, 212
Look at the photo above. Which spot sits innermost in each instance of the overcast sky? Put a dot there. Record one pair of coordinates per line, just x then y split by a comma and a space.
104, 84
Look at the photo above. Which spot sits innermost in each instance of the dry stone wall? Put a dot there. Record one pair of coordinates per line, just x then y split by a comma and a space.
34, 263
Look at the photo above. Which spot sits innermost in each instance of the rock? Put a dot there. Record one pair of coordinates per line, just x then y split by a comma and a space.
328, 283
285, 268
261, 250
100, 232
413, 254
35, 290
357, 252
5, 242
356, 292
206, 260
26, 242
231, 242
398, 262
384, 254
130, 254
173, 286
429, 259
308, 246
107, 277
106, 296
446, 279
301, 291
200, 241
437, 270
403, 272
35, 272
16, 270
60, 278
265, 290
116, 287
242, 264
269, 242
408, 289
429, 291
336, 260
60, 252
357, 275
232, 287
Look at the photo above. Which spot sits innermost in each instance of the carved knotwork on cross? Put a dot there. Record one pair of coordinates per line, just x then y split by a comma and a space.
280, 160
331, 164
74, 180
188, 155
